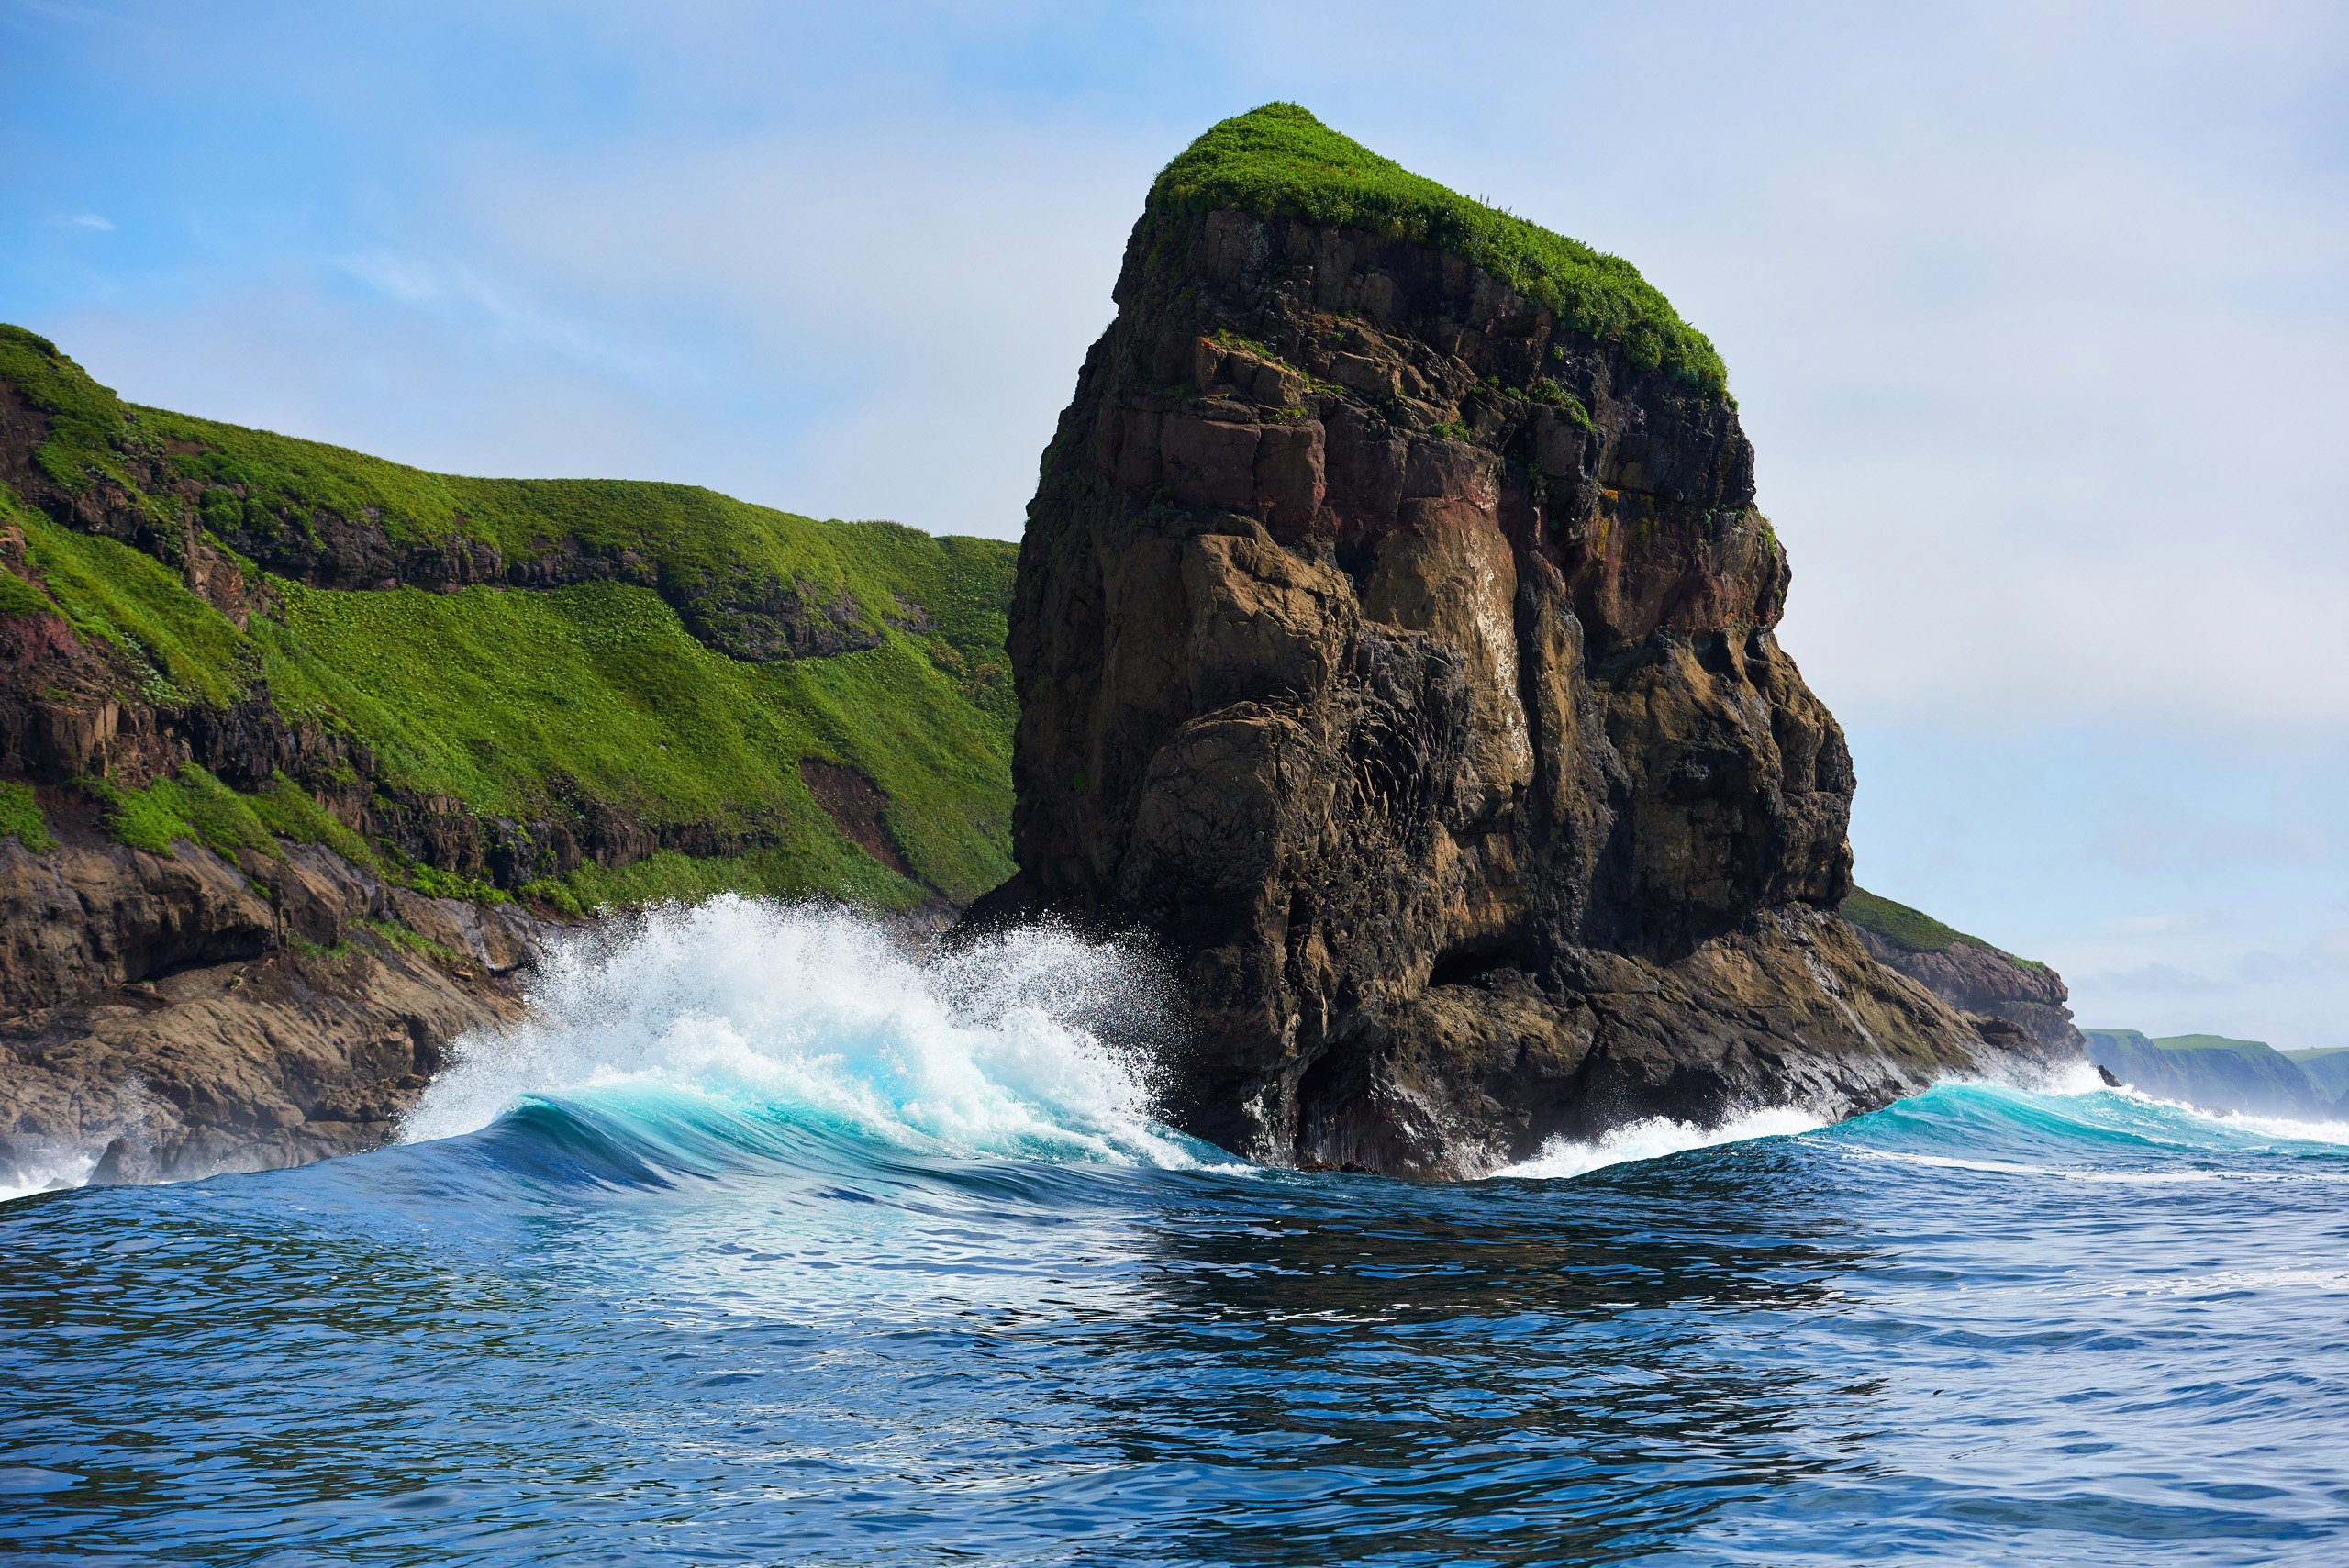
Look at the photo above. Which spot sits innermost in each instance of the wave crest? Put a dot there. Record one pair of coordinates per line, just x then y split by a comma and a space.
1033, 1043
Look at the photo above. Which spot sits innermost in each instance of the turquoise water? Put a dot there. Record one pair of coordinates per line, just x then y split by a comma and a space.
765, 1245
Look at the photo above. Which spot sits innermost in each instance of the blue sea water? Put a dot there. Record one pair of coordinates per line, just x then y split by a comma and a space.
764, 1244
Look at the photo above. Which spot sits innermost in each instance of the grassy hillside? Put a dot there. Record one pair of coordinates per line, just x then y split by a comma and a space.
529, 710
1280, 162
1913, 928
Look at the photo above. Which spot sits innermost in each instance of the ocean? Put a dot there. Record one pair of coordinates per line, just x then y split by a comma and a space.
763, 1243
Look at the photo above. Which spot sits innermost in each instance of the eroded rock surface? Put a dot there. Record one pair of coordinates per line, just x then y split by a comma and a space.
165, 1015
1976, 978
1402, 664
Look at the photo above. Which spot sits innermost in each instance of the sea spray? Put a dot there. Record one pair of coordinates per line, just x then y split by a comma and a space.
1657, 1137
1031, 1043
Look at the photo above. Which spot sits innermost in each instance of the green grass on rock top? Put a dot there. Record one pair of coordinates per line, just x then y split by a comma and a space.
1280, 162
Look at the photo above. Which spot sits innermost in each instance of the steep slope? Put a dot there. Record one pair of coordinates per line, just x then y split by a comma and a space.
1965, 972
192, 592
2214, 1073
265, 702
1393, 641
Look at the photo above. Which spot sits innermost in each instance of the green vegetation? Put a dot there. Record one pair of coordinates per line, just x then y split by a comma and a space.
1913, 928
1547, 390
2327, 1067
190, 804
1279, 161
393, 934
2212, 1042
1225, 337
509, 700
706, 549
184, 651
20, 816
18, 598
1900, 925
289, 811
2215, 1071
85, 422
539, 704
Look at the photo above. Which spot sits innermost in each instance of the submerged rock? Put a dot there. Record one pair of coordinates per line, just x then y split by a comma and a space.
1394, 649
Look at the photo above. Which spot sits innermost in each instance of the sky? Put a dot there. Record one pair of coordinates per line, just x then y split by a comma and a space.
2038, 314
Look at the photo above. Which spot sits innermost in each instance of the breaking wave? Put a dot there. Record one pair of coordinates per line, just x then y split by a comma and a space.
736, 1029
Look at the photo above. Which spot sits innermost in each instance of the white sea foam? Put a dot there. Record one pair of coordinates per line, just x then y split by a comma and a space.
2058, 1173
2282, 1127
1658, 1136
2070, 1079
65, 1169
1000, 1049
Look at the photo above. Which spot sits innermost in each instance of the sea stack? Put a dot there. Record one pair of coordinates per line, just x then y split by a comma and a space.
1394, 643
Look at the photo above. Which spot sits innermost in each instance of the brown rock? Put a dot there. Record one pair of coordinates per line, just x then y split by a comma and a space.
1976, 978
154, 1014
1481, 806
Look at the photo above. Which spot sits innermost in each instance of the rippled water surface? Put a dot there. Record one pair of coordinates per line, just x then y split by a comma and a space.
763, 1247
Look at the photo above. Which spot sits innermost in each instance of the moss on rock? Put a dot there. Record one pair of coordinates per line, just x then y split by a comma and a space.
1280, 162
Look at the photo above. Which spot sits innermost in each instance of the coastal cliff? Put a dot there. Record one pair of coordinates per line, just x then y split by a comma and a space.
1394, 643
303, 755
1966, 972
181, 1014
2219, 1073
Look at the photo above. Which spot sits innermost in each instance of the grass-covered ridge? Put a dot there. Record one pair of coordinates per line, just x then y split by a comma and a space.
1913, 928
1280, 162
271, 495
2218, 1072
517, 708
1900, 925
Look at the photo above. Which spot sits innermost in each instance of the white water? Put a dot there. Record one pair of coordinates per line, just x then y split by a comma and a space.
766, 1008
2245, 1122
67, 1169
1658, 1136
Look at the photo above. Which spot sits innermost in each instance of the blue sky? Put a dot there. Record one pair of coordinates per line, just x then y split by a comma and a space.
2038, 314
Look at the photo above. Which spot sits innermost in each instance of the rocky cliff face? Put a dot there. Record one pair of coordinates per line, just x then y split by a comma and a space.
1400, 656
1978, 979
2219, 1073
170, 1016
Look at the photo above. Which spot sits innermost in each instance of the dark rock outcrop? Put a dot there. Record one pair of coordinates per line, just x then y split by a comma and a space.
175, 1015
1400, 660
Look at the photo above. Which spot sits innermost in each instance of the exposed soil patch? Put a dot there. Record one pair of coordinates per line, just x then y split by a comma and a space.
854, 804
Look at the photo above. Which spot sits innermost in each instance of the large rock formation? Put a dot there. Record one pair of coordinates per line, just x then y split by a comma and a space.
2222, 1075
1395, 647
